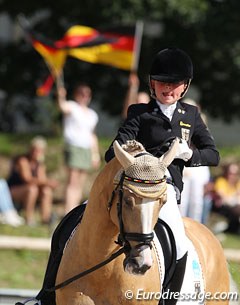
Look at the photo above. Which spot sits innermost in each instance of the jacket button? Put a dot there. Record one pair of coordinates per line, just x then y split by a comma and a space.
169, 130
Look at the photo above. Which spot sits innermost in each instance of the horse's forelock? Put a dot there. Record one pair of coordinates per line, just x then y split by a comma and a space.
146, 167
133, 147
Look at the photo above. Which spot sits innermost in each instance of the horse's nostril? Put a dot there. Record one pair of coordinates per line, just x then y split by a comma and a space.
133, 262
143, 269
135, 266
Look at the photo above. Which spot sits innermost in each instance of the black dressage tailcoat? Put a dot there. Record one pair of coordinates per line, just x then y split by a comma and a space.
148, 125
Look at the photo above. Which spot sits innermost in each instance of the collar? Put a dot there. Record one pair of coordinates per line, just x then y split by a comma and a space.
167, 110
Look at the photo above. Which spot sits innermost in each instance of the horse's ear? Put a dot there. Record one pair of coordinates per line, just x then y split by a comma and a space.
123, 157
169, 156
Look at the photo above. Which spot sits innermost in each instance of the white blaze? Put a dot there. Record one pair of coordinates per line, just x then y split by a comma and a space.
147, 215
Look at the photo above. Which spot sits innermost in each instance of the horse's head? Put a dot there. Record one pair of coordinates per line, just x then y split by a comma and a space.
142, 191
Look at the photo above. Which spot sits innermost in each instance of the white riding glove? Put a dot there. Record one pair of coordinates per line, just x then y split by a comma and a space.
183, 152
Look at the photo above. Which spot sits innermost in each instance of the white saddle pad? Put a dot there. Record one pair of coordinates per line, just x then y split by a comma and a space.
192, 292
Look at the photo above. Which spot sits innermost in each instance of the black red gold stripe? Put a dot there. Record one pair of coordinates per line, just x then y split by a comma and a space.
145, 181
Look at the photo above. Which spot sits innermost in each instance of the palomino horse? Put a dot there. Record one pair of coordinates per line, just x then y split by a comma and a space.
139, 178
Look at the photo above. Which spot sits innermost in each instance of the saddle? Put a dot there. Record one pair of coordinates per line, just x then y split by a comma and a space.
62, 234
59, 239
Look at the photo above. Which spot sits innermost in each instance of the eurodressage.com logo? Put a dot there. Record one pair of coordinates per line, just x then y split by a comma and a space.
197, 296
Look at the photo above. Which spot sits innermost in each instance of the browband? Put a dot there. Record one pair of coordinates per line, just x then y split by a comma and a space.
144, 181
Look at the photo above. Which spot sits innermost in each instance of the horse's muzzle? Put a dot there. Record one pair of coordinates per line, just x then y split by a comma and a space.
138, 261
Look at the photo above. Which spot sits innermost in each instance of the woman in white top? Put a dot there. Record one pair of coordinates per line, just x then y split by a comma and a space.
81, 143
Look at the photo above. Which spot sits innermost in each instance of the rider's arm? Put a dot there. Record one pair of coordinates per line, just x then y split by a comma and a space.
205, 152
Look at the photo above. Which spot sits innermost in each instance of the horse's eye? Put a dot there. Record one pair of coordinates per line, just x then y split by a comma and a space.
129, 201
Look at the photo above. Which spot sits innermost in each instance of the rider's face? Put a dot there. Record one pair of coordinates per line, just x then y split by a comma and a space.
168, 93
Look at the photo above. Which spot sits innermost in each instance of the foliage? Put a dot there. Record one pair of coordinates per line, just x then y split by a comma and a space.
230, 152
207, 29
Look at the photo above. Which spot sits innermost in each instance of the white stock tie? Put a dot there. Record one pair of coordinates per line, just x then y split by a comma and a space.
167, 110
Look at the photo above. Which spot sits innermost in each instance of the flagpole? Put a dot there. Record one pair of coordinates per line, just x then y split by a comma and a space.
137, 45
59, 80
58, 76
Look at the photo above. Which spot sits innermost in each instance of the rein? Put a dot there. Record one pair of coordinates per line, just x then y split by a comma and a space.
122, 250
78, 276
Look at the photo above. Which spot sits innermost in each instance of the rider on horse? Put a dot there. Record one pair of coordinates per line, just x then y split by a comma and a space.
162, 119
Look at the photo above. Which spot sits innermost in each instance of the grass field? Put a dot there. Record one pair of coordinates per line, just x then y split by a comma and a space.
233, 242
25, 268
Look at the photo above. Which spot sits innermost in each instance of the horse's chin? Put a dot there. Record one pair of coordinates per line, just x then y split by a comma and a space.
138, 265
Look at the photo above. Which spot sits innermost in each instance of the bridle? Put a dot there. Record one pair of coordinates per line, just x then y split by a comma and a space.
124, 237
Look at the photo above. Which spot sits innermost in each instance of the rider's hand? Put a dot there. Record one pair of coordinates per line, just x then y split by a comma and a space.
183, 152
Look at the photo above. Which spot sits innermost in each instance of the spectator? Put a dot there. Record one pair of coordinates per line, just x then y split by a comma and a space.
134, 96
8, 213
28, 182
192, 199
227, 188
195, 179
81, 143
209, 197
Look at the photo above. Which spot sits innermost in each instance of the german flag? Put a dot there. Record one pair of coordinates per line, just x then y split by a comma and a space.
79, 36
54, 58
46, 87
113, 46
55, 53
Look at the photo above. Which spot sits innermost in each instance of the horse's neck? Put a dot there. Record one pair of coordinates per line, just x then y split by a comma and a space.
97, 232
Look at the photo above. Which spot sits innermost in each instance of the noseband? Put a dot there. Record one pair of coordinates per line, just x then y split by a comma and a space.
125, 237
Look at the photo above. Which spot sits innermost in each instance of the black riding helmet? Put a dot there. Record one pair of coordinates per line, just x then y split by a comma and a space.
171, 65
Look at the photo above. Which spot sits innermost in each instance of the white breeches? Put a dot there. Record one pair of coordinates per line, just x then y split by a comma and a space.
171, 215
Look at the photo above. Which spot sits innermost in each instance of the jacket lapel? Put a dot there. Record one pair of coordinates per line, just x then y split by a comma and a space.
153, 107
155, 110
180, 122
179, 113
